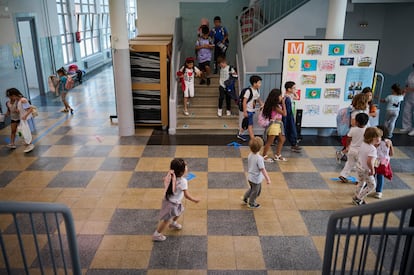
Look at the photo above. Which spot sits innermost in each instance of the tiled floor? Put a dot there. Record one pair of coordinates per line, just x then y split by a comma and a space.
114, 188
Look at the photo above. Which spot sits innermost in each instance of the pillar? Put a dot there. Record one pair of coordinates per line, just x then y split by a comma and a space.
336, 19
121, 67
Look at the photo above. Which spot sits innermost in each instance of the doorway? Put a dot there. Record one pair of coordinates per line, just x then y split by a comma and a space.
32, 68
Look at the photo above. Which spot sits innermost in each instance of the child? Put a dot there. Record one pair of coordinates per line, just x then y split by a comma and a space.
176, 187
24, 110
186, 74
221, 41
371, 108
13, 112
385, 151
366, 169
204, 46
249, 105
289, 119
256, 170
62, 90
273, 110
355, 138
225, 72
393, 108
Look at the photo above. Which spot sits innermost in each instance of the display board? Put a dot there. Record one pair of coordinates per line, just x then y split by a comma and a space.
327, 73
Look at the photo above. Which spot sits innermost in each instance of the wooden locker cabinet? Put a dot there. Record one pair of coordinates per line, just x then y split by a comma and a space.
150, 68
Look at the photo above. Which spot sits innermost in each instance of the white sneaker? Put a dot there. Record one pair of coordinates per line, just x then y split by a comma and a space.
29, 148
175, 226
186, 113
219, 112
411, 133
158, 238
378, 195
228, 113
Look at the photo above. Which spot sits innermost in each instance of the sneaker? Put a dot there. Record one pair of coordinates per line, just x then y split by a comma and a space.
228, 113
219, 112
253, 206
208, 81
175, 226
158, 238
241, 137
202, 82
378, 195
280, 158
64, 110
186, 113
357, 201
71, 111
343, 179
404, 130
268, 159
11, 146
411, 133
244, 201
344, 158
29, 148
296, 149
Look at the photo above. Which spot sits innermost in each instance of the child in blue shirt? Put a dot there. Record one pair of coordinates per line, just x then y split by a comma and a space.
221, 41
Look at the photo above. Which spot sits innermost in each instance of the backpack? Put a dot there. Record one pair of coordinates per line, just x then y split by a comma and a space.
35, 112
241, 96
262, 121
69, 82
230, 85
343, 121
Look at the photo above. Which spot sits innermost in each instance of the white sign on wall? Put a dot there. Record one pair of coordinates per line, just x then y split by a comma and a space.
327, 73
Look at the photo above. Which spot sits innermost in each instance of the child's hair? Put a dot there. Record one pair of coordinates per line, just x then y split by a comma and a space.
365, 91
384, 131
255, 79
256, 144
221, 59
13, 91
271, 102
217, 18
205, 29
371, 133
289, 84
362, 119
188, 60
360, 101
396, 88
61, 71
178, 165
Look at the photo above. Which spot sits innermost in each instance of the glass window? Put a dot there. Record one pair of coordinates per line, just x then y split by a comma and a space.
66, 36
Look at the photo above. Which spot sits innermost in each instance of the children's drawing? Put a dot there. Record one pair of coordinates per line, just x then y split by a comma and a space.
356, 48
312, 110
308, 79
314, 49
293, 63
330, 109
309, 65
364, 61
326, 65
313, 93
336, 49
332, 93
330, 78
346, 61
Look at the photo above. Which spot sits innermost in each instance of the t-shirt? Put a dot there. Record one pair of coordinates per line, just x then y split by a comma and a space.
224, 74
250, 104
218, 33
62, 84
410, 83
255, 162
394, 102
189, 74
357, 135
204, 54
366, 150
180, 186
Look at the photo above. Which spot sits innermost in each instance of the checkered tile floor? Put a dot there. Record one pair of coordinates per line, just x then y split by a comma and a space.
114, 188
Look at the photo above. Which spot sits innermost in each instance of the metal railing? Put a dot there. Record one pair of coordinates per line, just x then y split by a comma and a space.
371, 239
34, 239
263, 14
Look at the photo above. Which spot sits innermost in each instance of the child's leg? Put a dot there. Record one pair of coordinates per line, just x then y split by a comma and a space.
222, 93
380, 183
13, 128
247, 193
279, 146
250, 127
349, 164
228, 101
369, 186
269, 141
162, 226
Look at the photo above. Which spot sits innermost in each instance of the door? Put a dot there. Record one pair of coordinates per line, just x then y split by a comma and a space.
31, 57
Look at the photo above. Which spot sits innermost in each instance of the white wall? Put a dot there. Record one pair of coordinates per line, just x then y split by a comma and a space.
302, 22
157, 16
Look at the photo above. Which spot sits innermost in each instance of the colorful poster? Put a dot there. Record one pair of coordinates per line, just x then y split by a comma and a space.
356, 80
308, 79
336, 49
346, 61
314, 49
326, 65
313, 93
309, 65
293, 63
356, 48
330, 78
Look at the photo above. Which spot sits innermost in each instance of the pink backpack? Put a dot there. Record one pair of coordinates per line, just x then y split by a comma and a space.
262, 121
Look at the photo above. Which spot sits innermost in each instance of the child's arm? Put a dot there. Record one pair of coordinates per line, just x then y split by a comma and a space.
348, 142
245, 107
188, 196
371, 166
389, 145
264, 172
282, 110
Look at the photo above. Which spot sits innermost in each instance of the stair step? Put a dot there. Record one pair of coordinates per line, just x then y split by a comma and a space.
206, 113
219, 126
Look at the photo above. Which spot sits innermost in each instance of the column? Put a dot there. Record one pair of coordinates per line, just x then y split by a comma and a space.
336, 19
121, 67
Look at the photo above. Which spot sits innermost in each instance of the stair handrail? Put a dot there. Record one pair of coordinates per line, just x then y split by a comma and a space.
263, 14
175, 66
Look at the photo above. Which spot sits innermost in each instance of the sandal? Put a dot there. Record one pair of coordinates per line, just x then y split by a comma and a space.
280, 158
268, 159
343, 179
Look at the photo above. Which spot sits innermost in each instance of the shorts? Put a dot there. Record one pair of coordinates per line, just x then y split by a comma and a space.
202, 66
170, 210
189, 90
250, 116
15, 121
276, 128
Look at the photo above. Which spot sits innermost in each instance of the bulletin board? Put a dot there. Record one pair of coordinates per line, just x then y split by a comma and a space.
327, 73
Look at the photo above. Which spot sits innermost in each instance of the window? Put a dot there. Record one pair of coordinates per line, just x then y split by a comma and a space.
66, 36
105, 24
131, 16
88, 25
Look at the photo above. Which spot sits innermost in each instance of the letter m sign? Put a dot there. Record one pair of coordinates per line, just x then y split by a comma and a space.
296, 47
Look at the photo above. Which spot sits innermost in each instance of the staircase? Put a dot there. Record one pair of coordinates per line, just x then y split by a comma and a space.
203, 119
